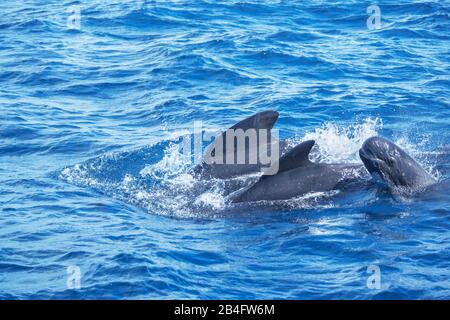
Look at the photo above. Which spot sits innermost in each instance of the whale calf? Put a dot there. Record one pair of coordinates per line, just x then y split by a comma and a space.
298, 176
388, 163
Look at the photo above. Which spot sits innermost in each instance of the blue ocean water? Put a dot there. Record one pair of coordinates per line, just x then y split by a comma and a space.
91, 177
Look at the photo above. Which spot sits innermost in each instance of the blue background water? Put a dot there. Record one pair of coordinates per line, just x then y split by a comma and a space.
91, 121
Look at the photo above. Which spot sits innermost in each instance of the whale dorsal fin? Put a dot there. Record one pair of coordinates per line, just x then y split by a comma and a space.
296, 157
260, 120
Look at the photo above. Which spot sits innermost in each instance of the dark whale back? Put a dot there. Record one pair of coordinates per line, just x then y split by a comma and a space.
297, 176
262, 120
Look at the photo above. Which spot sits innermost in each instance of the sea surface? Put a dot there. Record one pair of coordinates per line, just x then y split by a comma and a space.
96, 97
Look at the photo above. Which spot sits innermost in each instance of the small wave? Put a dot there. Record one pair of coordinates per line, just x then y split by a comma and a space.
33, 25
140, 19
277, 57
297, 36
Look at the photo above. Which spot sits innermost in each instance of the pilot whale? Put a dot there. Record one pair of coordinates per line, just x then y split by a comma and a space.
260, 122
297, 176
390, 164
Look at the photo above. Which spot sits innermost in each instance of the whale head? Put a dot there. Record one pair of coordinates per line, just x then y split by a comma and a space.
387, 162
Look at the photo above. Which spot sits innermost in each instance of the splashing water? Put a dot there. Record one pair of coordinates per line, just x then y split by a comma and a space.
165, 187
173, 164
416, 150
339, 143
160, 182
336, 143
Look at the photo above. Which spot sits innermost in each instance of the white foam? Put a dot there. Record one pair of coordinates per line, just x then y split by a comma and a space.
339, 143
211, 199
172, 164
165, 188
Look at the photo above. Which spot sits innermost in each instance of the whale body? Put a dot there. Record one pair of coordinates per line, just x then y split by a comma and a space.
298, 176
